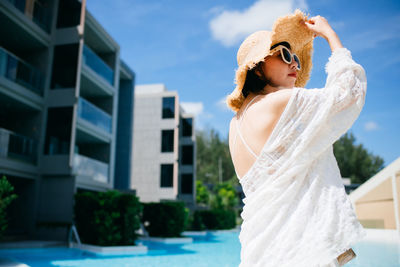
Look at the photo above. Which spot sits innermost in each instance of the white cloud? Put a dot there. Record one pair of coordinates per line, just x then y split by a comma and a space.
195, 108
231, 26
221, 104
371, 126
202, 117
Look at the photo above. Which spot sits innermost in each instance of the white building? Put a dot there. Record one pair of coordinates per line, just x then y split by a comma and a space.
164, 147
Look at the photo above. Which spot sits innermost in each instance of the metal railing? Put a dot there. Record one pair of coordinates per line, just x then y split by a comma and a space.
94, 115
97, 64
73, 233
88, 167
18, 71
17, 146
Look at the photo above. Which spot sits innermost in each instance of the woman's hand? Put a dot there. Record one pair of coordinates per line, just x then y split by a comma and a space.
320, 27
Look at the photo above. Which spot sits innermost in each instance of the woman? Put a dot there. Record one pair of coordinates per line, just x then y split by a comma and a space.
296, 210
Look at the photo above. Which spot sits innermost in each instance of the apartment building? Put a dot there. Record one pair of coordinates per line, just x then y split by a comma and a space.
164, 162
66, 112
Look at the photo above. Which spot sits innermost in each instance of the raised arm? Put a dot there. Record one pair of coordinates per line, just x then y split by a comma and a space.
320, 26
346, 82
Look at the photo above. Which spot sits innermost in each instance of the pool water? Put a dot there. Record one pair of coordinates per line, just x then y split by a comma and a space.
215, 249
373, 253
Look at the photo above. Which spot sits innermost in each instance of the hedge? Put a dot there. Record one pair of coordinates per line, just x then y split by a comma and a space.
215, 219
6, 197
165, 219
107, 218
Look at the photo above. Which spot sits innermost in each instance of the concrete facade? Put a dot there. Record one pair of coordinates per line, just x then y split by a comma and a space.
61, 77
148, 157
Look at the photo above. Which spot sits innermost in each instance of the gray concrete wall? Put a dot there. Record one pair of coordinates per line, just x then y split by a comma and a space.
124, 148
55, 211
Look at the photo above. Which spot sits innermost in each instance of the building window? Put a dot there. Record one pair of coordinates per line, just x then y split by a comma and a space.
187, 183
187, 155
167, 175
65, 62
167, 140
69, 13
168, 110
187, 125
58, 131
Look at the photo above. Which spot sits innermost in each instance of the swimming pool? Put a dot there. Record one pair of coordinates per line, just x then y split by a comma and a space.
215, 249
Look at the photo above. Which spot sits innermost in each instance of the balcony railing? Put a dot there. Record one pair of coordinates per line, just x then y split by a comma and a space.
17, 146
97, 64
41, 12
21, 72
94, 115
88, 167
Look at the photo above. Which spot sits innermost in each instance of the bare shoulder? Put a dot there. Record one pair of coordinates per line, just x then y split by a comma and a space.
265, 109
230, 129
277, 101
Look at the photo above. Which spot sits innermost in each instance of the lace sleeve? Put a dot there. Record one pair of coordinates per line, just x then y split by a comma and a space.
319, 117
315, 118
346, 83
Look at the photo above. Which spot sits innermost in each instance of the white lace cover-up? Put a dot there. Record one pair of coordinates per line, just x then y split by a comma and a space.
296, 210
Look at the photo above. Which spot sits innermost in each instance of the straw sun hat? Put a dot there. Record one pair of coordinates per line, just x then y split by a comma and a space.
256, 47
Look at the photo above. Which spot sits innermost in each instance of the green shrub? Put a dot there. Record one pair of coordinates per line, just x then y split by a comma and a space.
131, 210
214, 219
226, 219
202, 193
165, 219
209, 219
107, 218
196, 222
6, 197
225, 197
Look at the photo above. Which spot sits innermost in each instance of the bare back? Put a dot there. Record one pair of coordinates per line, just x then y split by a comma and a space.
252, 126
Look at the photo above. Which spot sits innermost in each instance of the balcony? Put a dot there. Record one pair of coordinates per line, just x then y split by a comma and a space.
40, 12
18, 71
94, 115
91, 169
95, 63
17, 146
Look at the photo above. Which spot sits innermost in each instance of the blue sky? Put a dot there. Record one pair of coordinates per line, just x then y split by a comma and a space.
190, 46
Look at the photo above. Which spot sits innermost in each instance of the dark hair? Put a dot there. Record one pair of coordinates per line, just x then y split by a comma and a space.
281, 43
254, 83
